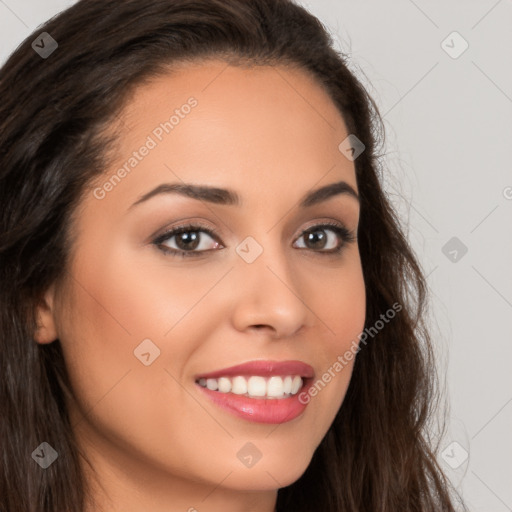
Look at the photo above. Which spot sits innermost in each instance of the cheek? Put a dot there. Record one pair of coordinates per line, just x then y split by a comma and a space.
349, 312
341, 309
107, 316
121, 299
340, 304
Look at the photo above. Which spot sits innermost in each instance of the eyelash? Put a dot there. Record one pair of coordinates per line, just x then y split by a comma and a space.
342, 232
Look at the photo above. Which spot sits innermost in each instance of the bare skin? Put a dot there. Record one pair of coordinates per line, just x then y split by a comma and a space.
156, 441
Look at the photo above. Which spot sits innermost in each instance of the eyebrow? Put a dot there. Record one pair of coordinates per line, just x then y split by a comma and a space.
231, 198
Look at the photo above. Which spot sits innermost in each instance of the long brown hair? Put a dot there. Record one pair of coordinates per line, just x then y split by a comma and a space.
377, 455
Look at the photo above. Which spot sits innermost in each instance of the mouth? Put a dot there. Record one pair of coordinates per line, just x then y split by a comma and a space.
256, 386
259, 391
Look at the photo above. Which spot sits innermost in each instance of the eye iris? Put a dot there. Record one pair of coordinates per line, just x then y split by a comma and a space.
183, 239
316, 236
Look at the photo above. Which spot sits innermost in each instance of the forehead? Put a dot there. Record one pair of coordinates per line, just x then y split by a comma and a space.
228, 85
232, 125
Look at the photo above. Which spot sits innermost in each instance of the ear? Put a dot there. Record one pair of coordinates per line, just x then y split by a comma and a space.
46, 330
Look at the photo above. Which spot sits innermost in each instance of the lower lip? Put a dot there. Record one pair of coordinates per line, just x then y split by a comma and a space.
259, 410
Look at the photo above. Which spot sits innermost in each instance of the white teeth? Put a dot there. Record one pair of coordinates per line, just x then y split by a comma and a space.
296, 384
224, 385
239, 386
212, 384
255, 386
275, 386
287, 385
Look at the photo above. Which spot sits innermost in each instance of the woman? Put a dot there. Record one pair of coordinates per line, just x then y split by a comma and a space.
208, 302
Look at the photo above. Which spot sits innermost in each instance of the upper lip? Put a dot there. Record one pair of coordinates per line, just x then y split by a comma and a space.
263, 369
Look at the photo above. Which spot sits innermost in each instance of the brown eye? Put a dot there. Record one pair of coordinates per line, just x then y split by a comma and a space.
189, 240
317, 239
195, 240
326, 238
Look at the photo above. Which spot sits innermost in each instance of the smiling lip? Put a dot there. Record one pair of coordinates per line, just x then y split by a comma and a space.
264, 369
261, 410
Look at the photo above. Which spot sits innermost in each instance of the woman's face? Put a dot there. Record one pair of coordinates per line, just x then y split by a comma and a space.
140, 325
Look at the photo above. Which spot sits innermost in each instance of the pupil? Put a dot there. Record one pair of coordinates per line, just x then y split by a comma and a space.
317, 236
184, 240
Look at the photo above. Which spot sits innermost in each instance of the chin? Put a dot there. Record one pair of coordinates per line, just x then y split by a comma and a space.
274, 473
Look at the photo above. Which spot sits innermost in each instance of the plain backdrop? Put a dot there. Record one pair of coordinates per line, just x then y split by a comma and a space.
440, 73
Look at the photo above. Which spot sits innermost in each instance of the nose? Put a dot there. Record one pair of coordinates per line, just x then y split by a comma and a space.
269, 296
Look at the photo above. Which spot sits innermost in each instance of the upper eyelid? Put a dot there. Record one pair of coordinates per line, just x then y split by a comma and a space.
192, 226
198, 226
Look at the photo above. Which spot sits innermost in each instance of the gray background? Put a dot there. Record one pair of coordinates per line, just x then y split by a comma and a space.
448, 152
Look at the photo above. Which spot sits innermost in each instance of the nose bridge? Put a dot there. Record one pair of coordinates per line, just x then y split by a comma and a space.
265, 257
268, 291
